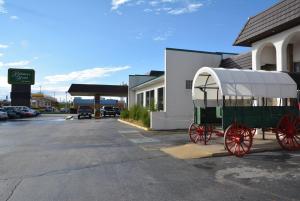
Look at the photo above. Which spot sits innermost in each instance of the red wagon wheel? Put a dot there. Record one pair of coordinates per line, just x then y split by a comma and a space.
288, 132
197, 135
238, 140
253, 131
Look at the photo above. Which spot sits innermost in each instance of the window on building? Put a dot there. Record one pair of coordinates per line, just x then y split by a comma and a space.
160, 99
147, 98
188, 84
297, 67
140, 99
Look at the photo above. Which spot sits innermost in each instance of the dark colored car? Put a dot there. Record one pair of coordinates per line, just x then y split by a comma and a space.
117, 110
108, 111
84, 112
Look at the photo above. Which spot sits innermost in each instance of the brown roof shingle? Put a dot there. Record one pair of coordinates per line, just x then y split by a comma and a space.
242, 61
282, 16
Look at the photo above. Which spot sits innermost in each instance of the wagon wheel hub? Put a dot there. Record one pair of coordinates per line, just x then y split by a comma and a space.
238, 139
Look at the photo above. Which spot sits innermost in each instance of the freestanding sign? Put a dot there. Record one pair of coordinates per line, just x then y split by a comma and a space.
21, 81
21, 76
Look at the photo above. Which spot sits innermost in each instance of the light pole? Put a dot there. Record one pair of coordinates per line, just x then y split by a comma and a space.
66, 101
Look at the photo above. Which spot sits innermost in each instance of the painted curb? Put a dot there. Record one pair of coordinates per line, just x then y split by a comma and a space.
134, 125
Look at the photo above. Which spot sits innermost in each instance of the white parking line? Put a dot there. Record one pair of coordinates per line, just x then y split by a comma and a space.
128, 131
143, 140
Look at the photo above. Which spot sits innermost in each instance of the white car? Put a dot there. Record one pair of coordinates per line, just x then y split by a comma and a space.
3, 115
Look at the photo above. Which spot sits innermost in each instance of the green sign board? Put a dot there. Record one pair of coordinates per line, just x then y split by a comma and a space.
21, 76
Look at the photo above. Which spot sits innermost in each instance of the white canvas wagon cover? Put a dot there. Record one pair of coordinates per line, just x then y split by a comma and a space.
242, 83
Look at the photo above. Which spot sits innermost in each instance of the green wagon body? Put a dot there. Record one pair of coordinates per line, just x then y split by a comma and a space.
252, 117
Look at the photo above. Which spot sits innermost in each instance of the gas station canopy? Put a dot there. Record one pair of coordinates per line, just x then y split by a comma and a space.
96, 90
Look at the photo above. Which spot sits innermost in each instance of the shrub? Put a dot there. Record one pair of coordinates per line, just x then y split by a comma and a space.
145, 117
134, 112
137, 113
124, 114
152, 106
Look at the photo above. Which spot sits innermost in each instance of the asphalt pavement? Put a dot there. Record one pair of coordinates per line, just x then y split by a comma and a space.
53, 159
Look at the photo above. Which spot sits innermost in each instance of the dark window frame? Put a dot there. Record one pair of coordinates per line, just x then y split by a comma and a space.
188, 84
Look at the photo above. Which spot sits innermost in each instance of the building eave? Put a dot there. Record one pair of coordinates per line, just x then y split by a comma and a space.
149, 83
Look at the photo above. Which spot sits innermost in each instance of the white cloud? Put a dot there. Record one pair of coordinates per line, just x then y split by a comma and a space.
14, 17
2, 46
15, 64
171, 7
3, 82
164, 36
85, 74
2, 8
1, 54
190, 8
48, 88
159, 38
140, 2
117, 3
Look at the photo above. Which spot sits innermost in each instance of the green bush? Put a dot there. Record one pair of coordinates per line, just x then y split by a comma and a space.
145, 117
124, 114
137, 113
152, 106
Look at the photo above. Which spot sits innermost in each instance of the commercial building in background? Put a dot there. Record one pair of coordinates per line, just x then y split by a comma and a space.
42, 101
78, 101
171, 90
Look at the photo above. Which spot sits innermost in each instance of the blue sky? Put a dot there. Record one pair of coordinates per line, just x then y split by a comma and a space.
103, 41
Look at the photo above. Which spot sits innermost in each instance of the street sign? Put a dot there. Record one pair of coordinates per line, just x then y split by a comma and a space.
21, 76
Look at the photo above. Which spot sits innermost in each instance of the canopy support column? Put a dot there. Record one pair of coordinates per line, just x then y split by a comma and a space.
97, 107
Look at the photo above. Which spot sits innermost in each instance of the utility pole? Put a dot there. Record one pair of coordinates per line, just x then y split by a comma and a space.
66, 101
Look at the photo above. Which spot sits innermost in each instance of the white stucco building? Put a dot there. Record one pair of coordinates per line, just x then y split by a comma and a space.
170, 90
273, 37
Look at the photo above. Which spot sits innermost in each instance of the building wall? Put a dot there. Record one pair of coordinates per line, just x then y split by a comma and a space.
154, 87
135, 80
268, 56
179, 67
280, 42
297, 52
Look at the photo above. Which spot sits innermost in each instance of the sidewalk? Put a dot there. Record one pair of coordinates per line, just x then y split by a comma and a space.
216, 148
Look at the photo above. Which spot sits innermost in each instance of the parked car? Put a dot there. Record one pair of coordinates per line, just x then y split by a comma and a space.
84, 112
117, 110
3, 114
28, 113
108, 111
12, 113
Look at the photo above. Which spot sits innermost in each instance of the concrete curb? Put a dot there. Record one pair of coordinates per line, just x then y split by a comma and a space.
134, 125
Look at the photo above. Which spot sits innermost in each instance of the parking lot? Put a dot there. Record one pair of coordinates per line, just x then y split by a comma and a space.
50, 158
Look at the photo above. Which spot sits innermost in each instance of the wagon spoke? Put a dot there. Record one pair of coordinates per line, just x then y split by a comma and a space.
243, 147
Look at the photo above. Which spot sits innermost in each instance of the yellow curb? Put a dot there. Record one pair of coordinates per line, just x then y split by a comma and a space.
194, 151
187, 151
134, 125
